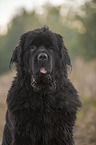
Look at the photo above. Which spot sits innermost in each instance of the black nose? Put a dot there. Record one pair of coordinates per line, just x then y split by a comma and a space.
42, 56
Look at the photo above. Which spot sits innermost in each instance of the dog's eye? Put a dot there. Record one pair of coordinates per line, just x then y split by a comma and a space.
33, 48
50, 48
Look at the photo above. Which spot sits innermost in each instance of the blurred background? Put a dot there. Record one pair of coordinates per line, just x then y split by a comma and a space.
76, 21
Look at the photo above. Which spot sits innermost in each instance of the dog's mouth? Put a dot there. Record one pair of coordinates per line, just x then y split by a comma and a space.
43, 70
42, 75
43, 81
42, 78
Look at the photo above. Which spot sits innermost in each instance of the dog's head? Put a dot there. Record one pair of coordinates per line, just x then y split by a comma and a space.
42, 55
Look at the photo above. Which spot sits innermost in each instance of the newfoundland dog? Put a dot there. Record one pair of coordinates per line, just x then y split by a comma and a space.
42, 102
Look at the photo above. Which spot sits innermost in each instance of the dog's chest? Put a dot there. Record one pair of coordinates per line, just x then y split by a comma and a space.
43, 109
42, 117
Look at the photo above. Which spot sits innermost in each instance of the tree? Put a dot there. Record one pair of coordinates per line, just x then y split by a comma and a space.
87, 40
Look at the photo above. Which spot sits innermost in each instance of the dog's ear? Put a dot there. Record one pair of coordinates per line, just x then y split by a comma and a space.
65, 58
15, 54
18, 51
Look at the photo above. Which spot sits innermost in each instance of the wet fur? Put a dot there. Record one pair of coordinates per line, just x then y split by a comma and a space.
44, 117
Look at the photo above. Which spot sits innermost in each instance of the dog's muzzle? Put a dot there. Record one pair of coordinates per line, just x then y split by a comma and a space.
42, 58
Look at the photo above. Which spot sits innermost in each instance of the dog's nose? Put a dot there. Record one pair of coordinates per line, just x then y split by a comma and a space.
42, 56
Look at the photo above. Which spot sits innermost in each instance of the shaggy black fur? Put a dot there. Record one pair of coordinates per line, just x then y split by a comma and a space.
42, 102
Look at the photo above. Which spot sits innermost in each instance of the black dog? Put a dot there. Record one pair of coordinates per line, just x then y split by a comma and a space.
42, 102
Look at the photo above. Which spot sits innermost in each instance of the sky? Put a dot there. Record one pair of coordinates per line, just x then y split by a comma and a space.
8, 8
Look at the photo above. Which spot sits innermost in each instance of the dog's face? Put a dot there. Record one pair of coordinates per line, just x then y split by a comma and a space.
40, 62
42, 55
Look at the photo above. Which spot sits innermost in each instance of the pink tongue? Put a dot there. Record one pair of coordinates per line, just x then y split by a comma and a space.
42, 70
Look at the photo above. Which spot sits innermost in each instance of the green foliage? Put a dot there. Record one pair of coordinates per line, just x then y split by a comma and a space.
54, 16
88, 39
